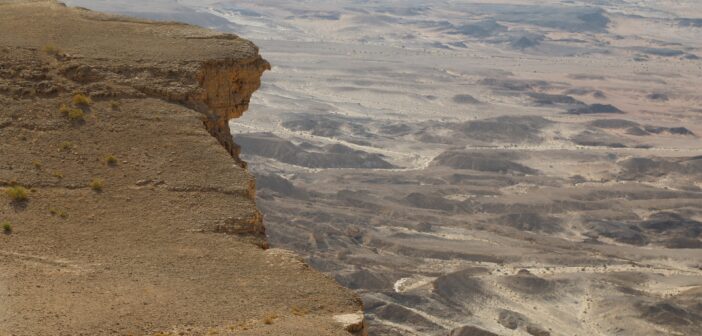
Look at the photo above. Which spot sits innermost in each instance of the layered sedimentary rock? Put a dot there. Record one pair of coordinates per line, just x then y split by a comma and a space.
135, 220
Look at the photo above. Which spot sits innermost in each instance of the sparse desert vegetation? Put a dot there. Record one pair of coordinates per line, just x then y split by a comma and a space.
73, 114
58, 212
270, 318
299, 311
17, 193
64, 109
51, 50
76, 115
97, 184
111, 160
81, 100
65, 146
6, 227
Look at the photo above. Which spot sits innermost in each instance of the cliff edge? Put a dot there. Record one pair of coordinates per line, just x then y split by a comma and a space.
125, 208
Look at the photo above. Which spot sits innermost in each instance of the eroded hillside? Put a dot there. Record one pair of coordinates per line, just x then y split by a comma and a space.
120, 213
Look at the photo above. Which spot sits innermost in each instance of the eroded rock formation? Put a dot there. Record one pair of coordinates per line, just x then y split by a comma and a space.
101, 122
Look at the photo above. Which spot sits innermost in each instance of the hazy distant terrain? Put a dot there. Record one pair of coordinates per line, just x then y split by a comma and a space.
521, 167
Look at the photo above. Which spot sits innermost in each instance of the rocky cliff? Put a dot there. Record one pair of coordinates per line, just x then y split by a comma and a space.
121, 215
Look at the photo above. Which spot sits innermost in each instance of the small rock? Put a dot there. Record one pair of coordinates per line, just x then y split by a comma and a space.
352, 322
143, 182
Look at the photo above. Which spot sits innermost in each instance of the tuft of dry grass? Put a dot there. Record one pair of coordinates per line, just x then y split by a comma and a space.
73, 114
299, 311
64, 109
7, 228
97, 184
111, 160
51, 50
269, 318
17, 194
76, 115
57, 212
115, 105
57, 174
65, 146
82, 100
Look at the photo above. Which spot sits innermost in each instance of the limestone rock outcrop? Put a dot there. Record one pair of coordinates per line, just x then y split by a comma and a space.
136, 220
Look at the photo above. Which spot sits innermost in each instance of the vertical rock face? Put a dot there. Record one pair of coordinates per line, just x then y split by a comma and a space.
220, 89
227, 87
126, 191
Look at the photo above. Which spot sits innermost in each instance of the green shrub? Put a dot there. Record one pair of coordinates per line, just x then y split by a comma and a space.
64, 109
97, 184
80, 99
7, 228
57, 212
66, 146
76, 115
73, 114
111, 160
299, 311
17, 193
51, 50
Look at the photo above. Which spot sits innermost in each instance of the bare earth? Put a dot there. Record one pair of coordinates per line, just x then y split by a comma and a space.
169, 245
